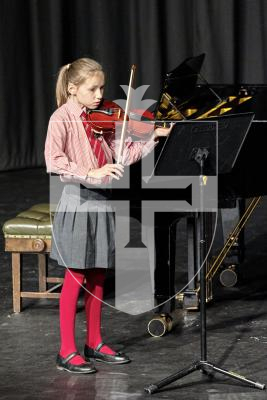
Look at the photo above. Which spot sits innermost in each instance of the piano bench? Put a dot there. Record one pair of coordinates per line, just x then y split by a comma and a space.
30, 233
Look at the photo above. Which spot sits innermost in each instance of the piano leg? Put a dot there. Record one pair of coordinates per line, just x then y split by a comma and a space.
165, 242
190, 297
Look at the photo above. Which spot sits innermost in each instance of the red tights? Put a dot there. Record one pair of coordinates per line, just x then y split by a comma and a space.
74, 278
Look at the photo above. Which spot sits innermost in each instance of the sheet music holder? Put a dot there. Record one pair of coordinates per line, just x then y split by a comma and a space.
174, 156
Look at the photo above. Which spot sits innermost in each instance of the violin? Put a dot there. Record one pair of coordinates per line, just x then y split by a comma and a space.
140, 122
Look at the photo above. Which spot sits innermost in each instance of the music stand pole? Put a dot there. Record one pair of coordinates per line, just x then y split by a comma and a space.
200, 155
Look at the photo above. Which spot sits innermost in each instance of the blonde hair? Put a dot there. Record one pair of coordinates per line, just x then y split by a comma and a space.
76, 72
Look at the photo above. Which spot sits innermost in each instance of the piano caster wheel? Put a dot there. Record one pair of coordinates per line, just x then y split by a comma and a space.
160, 325
228, 277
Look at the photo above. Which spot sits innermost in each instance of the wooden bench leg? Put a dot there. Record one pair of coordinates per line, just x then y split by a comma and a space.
16, 278
42, 264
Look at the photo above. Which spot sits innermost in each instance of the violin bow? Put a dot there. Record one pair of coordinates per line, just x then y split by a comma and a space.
126, 113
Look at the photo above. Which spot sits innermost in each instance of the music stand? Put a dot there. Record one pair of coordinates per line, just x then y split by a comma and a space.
199, 155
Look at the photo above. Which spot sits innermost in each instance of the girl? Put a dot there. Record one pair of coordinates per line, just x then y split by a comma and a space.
83, 238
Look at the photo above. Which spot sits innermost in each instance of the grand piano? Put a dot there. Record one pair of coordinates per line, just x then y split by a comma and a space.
186, 95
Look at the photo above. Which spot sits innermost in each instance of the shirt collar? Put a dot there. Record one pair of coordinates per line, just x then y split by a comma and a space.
74, 108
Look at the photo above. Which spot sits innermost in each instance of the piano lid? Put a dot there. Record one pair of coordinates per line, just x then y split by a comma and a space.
185, 91
186, 94
184, 77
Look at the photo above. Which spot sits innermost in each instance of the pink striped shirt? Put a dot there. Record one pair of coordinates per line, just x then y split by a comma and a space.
68, 151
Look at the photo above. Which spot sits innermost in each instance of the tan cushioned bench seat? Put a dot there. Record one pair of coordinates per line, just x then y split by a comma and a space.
35, 222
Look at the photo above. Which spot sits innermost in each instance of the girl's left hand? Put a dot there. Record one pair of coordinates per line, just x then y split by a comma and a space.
162, 132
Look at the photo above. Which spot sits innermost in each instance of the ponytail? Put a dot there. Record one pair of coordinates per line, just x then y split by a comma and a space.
76, 72
62, 85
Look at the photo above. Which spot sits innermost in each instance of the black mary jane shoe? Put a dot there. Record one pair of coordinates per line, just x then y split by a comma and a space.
64, 364
95, 354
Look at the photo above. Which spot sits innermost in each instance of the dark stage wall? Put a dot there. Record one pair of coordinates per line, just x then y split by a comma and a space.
38, 36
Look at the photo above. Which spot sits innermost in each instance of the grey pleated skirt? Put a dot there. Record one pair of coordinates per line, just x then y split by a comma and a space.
83, 234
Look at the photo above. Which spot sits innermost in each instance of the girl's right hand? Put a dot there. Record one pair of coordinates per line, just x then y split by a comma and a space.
113, 170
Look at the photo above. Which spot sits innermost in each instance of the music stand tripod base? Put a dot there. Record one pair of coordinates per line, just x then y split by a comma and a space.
205, 367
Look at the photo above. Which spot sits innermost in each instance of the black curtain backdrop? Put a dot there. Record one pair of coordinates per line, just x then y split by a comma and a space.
38, 36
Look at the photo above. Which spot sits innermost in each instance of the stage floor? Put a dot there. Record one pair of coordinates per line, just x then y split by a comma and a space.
236, 321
